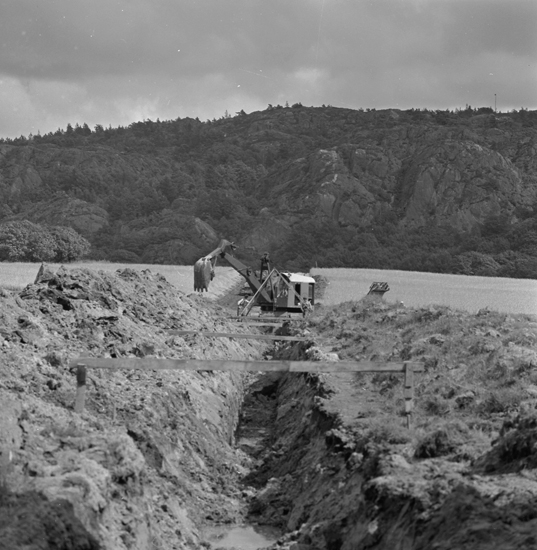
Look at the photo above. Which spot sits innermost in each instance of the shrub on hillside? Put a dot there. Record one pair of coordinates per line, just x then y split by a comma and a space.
453, 439
514, 450
444, 440
501, 401
436, 405
24, 241
381, 430
70, 246
476, 263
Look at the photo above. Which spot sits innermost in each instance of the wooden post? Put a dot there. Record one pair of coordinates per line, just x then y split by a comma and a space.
409, 393
80, 388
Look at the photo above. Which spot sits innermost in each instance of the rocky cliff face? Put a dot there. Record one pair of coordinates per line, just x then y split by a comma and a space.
137, 192
420, 176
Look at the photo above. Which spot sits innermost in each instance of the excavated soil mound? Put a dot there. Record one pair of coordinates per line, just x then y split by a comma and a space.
151, 458
341, 471
158, 458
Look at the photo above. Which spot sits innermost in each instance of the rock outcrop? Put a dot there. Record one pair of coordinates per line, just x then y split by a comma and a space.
86, 218
426, 176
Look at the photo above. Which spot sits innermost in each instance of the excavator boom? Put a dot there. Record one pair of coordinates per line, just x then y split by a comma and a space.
204, 270
247, 272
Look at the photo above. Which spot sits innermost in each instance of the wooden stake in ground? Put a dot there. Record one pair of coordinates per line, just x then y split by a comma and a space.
409, 393
80, 388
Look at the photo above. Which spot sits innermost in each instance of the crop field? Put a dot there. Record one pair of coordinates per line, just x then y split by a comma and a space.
418, 289
17, 275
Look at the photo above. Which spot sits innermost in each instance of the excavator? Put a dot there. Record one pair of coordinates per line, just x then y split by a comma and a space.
271, 290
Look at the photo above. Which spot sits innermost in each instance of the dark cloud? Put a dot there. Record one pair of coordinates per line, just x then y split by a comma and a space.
68, 39
495, 26
107, 61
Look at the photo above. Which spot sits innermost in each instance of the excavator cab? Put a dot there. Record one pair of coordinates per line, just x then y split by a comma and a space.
299, 294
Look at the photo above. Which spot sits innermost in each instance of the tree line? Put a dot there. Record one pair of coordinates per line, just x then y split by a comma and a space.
24, 241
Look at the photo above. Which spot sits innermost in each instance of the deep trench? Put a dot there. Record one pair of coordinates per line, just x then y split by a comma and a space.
254, 435
283, 432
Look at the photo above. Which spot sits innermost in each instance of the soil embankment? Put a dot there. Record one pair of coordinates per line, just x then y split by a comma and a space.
151, 459
342, 471
157, 457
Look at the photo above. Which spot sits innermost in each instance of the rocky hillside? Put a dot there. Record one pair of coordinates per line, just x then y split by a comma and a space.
439, 191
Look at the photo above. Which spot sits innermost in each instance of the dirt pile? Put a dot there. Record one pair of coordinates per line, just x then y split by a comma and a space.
155, 457
151, 457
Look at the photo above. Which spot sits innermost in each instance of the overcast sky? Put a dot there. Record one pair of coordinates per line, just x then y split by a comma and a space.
112, 62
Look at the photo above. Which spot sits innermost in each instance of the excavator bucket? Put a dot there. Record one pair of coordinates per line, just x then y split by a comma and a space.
204, 267
203, 274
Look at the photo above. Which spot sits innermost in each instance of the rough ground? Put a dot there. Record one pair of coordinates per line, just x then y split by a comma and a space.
151, 459
347, 474
156, 457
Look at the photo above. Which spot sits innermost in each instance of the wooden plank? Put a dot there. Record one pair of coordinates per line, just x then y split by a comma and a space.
151, 363
282, 319
80, 387
240, 336
263, 318
258, 324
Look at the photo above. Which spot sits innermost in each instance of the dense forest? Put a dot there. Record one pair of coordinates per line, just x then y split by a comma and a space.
440, 191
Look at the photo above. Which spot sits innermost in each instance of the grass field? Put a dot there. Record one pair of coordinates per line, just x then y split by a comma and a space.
418, 289
15, 276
